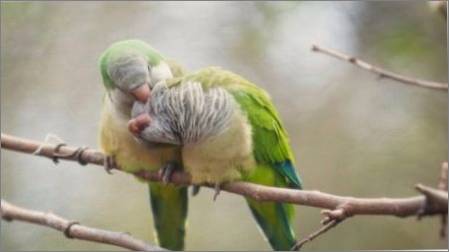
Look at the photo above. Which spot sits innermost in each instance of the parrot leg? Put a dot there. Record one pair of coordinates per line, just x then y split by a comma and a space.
195, 190
167, 171
217, 190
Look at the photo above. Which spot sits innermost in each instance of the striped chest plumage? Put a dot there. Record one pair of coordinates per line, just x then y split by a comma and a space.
224, 157
208, 123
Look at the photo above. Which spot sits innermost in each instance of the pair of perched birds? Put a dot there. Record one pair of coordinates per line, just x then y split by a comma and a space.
213, 124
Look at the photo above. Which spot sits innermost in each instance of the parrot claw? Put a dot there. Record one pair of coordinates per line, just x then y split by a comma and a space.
51, 138
78, 154
167, 171
217, 190
56, 155
109, 164
195, 190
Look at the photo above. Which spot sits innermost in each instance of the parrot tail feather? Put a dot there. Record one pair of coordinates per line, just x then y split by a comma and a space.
169, 205
275, 221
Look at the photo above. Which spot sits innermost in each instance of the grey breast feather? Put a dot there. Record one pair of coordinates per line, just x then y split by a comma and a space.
186, 113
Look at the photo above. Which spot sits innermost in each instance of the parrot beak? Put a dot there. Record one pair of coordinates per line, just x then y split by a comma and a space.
142, 93
139, 123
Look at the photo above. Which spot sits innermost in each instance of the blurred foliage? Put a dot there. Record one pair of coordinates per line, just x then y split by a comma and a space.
352, 134
405, 43
253, 40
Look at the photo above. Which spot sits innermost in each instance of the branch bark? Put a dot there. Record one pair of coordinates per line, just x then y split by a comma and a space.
337, 208
315, 234
401, 207
73, 229
380, 71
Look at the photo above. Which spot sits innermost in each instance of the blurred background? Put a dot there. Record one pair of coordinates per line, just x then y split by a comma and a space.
352, 133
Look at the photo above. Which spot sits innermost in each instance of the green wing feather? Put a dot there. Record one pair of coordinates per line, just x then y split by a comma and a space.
270, 140
275, 165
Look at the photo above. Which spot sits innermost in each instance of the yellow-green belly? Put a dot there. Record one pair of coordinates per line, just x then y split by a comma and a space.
222, 158
130, 155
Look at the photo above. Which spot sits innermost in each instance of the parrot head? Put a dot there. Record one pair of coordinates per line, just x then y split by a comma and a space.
130, 69
130, 75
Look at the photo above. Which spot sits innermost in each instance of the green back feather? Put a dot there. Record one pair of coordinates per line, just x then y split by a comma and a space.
176, 69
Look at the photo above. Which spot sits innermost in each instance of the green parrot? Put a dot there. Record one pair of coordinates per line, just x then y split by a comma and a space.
129, 69
228, 130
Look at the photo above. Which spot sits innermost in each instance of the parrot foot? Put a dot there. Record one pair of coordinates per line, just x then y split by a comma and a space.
109, 164
167, 171
217, 190
195, 190
51, 138
77, 154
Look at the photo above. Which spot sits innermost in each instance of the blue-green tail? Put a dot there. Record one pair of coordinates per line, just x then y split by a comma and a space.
169, 206
275, 221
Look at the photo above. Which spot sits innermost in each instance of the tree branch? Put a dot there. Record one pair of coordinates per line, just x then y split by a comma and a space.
337, 207
400, 207
315, 234
379, 71
73, 229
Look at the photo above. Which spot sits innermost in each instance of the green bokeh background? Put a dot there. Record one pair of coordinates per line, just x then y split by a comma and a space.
352, 133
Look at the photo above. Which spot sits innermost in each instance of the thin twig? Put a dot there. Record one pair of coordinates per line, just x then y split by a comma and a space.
331, 219
315, 234
401, 207
379, 71
73, 229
